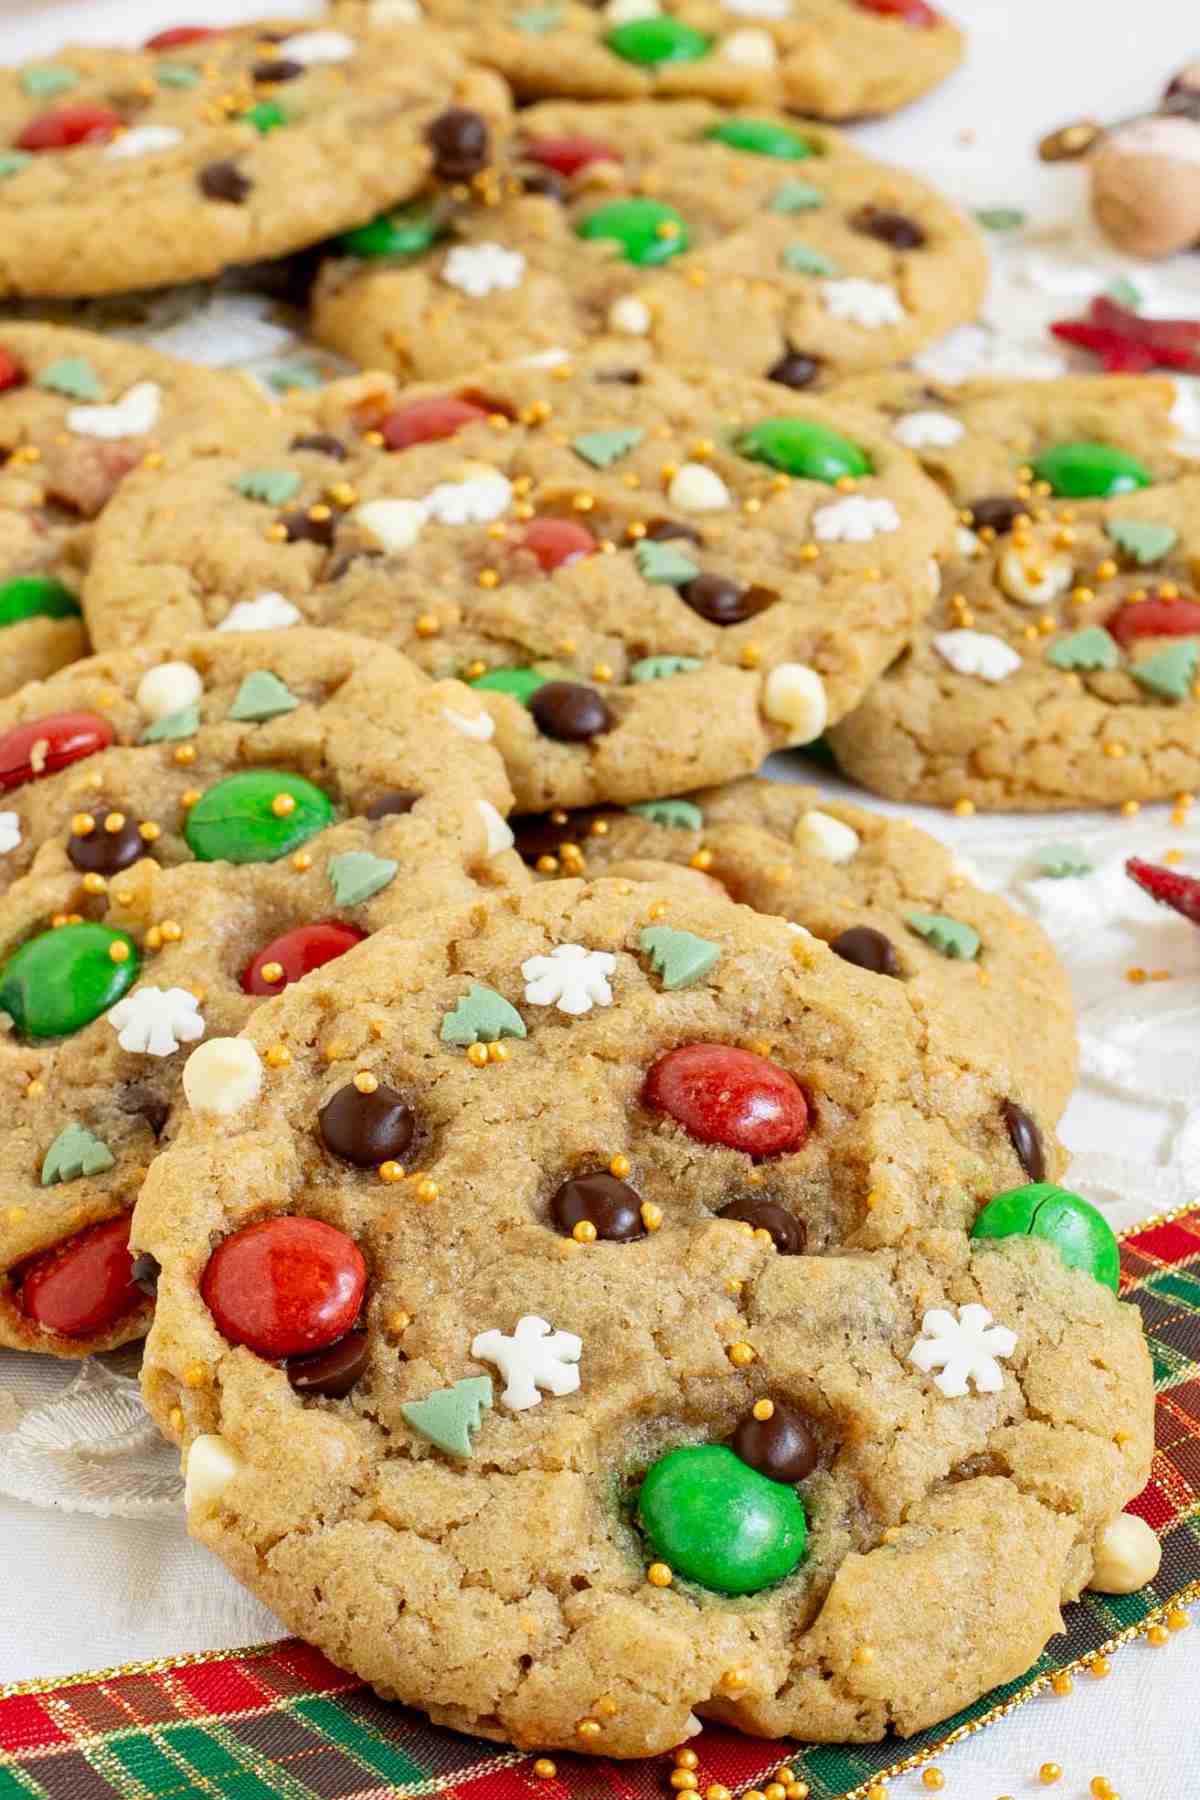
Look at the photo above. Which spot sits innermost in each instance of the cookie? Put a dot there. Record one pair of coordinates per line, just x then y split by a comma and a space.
180, 838
1059, 665
77, 412
890, 900
579, 1292
776, 246
837, 59
654, 580
225, 147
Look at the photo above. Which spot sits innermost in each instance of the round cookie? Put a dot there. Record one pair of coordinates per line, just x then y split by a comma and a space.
225, 147
838, 59
776, 245
179, 839
1059, 665
77, 412
621, 558
891, 900
380, 1374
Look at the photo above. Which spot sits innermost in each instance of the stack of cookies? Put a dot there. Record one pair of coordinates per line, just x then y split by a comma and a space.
499, 1106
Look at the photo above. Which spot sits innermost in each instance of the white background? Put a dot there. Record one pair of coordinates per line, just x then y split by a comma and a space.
79, 1591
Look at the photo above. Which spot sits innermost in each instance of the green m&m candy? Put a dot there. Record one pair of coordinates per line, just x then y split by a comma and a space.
648, 231
712, 1518
257, 816
762, 137
1091, 471
405, 232
1084, 1236
35, 597
59, 982
661, 39
522, 684
802, 447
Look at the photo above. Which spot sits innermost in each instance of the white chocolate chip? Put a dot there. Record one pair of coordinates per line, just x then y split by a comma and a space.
222, 1076
822, 835
267, 612
759, 9
623, 12
928, 430
977, 653
935, 576
869, 304
10, 831
168, 689
311, 47
212, 1463
630, 316
967, 544
750, 49
1033, 581
394, 524
498, 835
794, 696
696, 488
480, 726
133, 415
143, 140
1127, 1554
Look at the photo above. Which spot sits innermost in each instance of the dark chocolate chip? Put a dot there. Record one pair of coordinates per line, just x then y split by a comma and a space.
725, 602
104, 852
323, 444
795, 369
461, 144
224, 181
546, 182
626, 377
399, 800
279, 69
302, 528
996, 512
570, 712
599, 1199
788, 1233
145, 1272
1026, 1140
867, 949
784, 1447
890, 227
367, 1129
143, 1103
332, 1372
662, 530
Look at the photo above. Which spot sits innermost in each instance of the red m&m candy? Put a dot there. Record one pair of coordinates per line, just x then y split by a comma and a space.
176, 35
1155, 618
62, 127
298, 952
567, 155
285, 1286
722, 1095
913, 12
556, 542
45, 746
11, 373
84, 1286
426, 421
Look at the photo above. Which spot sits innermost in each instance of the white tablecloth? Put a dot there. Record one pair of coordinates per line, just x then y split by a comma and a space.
83, 1590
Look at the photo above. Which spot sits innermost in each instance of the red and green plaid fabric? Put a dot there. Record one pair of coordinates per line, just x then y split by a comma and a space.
280, 1723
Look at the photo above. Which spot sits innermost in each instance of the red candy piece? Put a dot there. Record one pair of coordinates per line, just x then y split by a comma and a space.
725, 1096
567, 155
298, 953
1180, 892
556, 542
11, 373
84, 1286
285, 1286
1127, 344
913, 12
62, 127
176, 35
425, 421
1154, 618
45, 746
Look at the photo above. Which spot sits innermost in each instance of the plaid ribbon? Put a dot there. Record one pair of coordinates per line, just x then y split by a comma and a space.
278, 1722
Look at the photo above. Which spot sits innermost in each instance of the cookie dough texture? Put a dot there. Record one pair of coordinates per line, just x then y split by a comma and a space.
367, 724
56, 477
943, 1532
461, 593
246, 145
772, 243
765, 842
1043, 735
832, 58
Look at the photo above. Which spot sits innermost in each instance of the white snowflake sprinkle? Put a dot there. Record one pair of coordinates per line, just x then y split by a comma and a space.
977, 653
965, 1350
154, 1021
268, 612
143, 140
928, 430
871, 304
312, 47
572, 978
134, 414
480, 726
476, 500
482, 269
10, 831
855, 520
535, 1356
